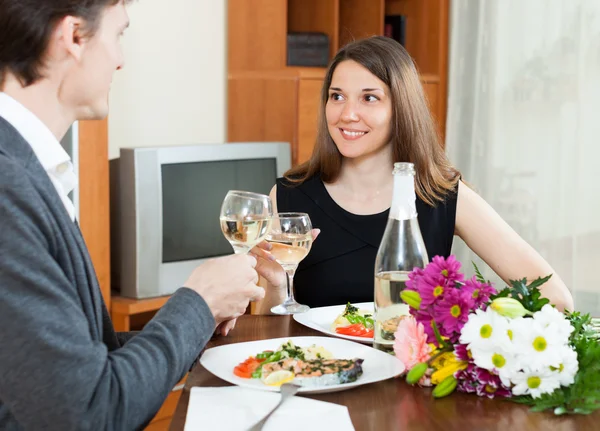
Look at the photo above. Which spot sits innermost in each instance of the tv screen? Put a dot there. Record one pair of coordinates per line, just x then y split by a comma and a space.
192, 194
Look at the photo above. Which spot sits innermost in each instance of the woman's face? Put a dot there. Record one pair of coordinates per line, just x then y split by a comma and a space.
358, 111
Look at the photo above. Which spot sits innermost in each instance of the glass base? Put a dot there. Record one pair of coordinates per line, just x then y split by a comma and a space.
290, 308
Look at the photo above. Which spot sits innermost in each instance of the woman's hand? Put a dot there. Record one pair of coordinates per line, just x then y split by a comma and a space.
266, 265
274, 275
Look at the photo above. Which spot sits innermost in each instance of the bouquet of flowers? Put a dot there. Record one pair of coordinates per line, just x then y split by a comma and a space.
463, 335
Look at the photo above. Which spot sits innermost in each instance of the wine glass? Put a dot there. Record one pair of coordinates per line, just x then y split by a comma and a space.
245, 219
291, 239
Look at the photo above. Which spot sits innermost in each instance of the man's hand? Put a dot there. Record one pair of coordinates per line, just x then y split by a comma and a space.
224, 328
227, 284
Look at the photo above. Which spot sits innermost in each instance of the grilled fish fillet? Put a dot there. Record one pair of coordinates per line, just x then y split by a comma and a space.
318, 372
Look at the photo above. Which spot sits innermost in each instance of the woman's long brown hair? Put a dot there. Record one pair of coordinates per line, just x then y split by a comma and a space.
414, 137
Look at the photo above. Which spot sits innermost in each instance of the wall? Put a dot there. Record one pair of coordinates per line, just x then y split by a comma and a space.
172, 89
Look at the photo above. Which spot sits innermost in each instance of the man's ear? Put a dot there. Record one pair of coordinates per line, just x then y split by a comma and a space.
70, 34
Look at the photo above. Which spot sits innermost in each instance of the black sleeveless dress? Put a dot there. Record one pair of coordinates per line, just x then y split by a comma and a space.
340, 266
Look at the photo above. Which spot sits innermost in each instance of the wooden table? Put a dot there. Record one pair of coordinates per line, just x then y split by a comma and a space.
392, 404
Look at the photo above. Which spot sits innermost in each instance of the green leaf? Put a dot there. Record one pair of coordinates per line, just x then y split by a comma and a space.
538, 282
504, 293
478, 274
350, 309
528, 295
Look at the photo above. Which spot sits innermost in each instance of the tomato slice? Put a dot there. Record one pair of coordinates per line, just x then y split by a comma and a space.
356, 330
246, 368
242, 372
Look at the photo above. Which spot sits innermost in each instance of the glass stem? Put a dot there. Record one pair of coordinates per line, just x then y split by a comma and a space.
240, 249
290, 285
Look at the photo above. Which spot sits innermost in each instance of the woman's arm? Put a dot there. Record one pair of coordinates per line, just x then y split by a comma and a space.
509, 256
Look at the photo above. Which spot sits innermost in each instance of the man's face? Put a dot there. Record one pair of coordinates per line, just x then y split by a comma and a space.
87, 82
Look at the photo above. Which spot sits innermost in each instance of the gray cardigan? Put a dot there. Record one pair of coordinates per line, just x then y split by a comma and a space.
62, 366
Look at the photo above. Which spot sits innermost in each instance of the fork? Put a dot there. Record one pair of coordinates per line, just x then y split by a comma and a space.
287, 390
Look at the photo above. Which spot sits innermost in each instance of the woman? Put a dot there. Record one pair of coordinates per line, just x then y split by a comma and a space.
374, 113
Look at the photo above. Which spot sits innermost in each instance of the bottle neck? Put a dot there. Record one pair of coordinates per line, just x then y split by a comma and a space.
403, 200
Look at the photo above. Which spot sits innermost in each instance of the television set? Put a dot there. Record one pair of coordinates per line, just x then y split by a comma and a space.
165, 205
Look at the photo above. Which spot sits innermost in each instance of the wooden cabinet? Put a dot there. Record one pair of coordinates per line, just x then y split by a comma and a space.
94, 218
270, 101
275, 106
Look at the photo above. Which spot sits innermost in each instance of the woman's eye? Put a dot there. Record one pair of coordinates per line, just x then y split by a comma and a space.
335, 96
371, 98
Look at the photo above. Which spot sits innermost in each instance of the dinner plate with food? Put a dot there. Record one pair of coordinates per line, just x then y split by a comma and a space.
316, 364
351, 321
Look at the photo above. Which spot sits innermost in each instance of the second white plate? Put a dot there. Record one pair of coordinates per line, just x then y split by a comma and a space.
321, 319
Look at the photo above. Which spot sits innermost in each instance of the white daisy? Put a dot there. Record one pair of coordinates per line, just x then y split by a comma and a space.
536, 346
497, 360
568, 366
486, 330
535, 382
553, 320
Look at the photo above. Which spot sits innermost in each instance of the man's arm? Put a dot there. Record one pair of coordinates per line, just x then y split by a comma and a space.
124, 337
52, 373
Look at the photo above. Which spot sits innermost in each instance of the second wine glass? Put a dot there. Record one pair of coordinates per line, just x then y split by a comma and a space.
245, 219
291, 238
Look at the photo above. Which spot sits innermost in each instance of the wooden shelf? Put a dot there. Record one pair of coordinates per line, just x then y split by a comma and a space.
122, 309
286, 72
131, 306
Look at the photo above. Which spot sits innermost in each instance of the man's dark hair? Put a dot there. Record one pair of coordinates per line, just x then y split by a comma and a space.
26, 27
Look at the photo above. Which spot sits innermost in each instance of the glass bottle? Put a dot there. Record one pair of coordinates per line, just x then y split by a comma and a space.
402, 248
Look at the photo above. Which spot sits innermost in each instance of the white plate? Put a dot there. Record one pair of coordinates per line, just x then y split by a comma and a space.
321, 319
377, 365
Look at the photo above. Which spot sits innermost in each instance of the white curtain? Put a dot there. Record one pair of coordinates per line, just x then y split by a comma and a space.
524, 126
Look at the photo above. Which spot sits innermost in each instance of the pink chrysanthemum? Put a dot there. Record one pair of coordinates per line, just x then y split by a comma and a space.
432, 288
480, 292
413, 278
452, 312
447, 268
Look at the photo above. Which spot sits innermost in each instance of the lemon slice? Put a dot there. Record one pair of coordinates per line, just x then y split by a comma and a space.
278, 378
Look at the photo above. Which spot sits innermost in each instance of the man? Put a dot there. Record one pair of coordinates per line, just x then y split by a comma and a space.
62, 366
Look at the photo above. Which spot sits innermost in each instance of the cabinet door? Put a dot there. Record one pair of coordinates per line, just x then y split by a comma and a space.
256, 34
262, 108
360, 19
308, 111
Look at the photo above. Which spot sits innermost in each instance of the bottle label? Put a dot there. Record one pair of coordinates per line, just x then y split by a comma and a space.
403, 202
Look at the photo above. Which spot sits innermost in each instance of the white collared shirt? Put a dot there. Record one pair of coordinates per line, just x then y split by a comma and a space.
51, 155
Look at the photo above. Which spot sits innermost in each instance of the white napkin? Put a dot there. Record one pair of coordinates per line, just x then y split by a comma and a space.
233, 408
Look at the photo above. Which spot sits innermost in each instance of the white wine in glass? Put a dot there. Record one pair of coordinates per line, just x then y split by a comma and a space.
290, 249
245, 219
291, 239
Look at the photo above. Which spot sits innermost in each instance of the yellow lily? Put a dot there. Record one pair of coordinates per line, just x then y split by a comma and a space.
446, 365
